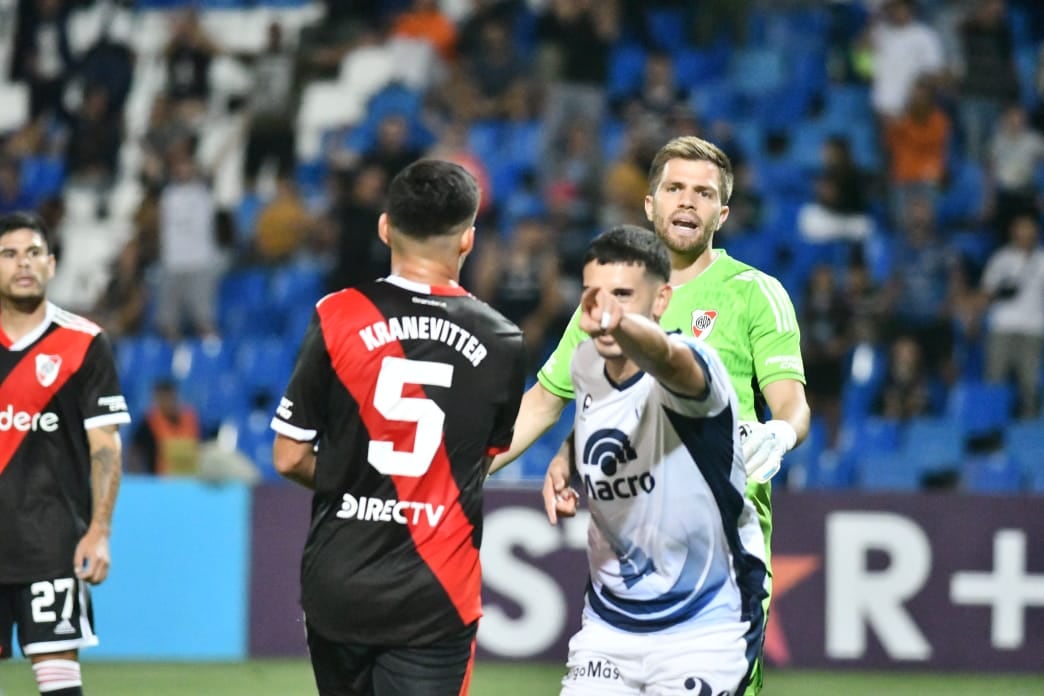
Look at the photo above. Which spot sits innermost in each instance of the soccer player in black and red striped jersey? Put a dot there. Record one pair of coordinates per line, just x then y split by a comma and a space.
60, 406
404, 389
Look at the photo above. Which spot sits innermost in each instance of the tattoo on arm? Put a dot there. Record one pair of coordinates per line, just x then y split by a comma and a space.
105, 482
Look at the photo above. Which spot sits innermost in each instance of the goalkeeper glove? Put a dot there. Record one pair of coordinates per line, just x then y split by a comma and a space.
764, 445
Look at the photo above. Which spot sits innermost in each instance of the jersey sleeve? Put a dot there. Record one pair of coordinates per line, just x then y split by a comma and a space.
719, 389
554, 375
301, 412
101, 399
504, 426
775, 338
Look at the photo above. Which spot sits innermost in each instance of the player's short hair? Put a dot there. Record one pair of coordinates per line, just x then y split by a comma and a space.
690, 147
9, 222
634, 246
431, 198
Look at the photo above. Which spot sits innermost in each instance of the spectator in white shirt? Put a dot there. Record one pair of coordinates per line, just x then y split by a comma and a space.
903, 49
1015, 152
1013, 280
190, 260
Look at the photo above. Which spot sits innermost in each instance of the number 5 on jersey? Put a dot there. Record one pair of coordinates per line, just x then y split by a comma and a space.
388, 400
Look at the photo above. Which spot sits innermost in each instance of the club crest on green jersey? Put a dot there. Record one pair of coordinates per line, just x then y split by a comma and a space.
703, 322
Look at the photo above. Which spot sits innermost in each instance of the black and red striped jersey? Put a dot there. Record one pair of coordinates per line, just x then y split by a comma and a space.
55, 383
408, 389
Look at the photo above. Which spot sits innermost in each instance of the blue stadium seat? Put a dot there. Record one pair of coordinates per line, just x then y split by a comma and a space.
215, 399
484, 139
750, 135
933, 444
395, 99
263, 366
1035, 481
887, 471
293, 287
614, 133
806, 146
42, 176
866, 366
243, 287
296, 324
666, 28
144, 356
963, 199
254, 439
868, 436
800, 461
523, 143
997, 472
714, 100
693, 66
201, 359
756, 71
1024, 440
626, 70
980, 408
846, 104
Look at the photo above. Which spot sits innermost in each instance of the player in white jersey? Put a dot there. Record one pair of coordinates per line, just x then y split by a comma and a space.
673, 605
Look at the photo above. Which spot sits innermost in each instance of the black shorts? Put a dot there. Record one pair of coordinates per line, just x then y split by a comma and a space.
352, 669
52, 616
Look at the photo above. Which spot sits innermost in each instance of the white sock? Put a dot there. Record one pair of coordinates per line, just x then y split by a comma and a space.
52, 675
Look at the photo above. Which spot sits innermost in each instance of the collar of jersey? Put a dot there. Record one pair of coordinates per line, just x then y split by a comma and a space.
31, 337
425, 289
718, 253
627, 383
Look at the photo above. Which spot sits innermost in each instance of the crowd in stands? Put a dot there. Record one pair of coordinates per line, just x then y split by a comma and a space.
214, 167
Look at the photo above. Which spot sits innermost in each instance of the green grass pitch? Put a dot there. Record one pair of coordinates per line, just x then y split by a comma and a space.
293, 678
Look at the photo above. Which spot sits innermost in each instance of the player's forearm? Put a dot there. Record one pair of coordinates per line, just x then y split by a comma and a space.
294, 460
105, 452
787, 401
670, 363
539, 410
303, 473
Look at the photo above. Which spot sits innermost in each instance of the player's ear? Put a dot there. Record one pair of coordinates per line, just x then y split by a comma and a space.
382, 229
649, 208
663, 298
467, 241
723, 215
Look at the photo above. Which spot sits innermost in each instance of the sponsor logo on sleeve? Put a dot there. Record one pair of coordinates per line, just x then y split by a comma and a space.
785, 362
285, 410
115, 403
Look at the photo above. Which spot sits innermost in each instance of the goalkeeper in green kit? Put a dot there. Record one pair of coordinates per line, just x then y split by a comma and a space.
744, 314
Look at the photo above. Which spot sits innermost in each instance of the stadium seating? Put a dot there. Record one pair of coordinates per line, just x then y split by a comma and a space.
980, 408
933, 444
996, 472
887, 471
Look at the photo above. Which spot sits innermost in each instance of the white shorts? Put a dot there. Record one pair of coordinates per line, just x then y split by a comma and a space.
605, 661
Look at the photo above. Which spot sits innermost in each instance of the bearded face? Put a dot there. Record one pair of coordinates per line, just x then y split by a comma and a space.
686, 208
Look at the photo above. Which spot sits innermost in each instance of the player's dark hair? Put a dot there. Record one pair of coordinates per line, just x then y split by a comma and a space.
10, 222
431, 198
633, 246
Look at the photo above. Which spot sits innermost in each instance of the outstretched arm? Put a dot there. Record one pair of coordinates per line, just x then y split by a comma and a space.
91, 559
644, 341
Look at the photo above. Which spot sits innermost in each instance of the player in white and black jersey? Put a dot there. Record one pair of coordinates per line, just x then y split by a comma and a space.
677, 573
60, 406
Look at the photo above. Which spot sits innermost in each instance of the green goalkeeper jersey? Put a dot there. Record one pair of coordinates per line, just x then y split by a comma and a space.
745, 315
